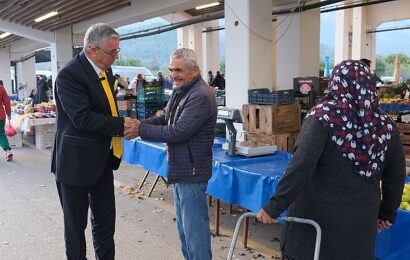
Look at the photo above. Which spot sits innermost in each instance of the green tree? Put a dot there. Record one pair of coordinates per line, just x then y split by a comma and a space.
128, 62
380, 65
222, 66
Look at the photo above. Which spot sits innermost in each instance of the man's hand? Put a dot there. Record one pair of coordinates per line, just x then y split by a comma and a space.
131, 128
265, 218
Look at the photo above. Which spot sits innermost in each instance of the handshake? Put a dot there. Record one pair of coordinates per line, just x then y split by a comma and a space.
131, 128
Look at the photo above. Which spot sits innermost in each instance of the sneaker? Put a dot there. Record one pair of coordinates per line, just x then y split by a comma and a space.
9, 155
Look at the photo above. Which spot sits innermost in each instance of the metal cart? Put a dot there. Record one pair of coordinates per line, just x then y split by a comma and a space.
294, 219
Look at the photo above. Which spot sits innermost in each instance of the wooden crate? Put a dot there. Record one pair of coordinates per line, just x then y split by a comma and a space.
270, 120
284, 142
124, 105
404, 130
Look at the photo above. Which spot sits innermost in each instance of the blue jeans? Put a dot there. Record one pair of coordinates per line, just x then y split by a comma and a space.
193, 220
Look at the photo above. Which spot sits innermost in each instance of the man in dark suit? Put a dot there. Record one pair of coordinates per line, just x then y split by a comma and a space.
88, 143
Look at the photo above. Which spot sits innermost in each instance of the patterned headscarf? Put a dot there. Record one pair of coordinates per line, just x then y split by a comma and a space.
360, 130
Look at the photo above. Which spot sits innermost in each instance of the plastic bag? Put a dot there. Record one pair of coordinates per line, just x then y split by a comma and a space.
9, 130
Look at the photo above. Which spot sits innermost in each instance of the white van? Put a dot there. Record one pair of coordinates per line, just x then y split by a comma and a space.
130, 72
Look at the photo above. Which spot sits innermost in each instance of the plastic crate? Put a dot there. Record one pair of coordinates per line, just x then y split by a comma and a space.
220, 100
264, 96
150, 94
44, 136
146, 114
123, 113
16, 141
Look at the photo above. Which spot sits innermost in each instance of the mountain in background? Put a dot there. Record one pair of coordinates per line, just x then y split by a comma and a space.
153, 51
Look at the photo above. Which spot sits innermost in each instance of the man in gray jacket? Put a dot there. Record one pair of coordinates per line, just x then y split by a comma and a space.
188, 128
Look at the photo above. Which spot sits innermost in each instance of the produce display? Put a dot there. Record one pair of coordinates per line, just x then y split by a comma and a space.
405, 199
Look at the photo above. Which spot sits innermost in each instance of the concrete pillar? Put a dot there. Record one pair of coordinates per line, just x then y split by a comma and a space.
182, 37
342, 36
248, 48
210, 42
298, 43
274, 54
61, 50
359, 49
26, 77
195, 43
5, 75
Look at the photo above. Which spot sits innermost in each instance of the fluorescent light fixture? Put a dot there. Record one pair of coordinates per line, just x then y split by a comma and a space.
4, 35
207, 5
46, 16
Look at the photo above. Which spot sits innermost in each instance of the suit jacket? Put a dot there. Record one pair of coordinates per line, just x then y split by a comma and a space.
84, 127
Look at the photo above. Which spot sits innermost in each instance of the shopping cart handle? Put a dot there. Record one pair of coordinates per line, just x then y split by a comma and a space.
290, 219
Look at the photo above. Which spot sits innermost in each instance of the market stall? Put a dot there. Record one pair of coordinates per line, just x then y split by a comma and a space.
38, 120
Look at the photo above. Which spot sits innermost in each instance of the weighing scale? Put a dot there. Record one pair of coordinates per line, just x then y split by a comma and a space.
247, 148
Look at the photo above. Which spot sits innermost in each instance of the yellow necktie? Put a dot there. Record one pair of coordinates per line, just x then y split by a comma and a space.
116, 141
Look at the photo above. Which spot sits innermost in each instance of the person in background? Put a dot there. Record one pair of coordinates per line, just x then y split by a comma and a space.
347, 172
188, 128
87, 145
134, 81
168, 82
218, 81
5, 111
369, 63
161, 80
210, 77
32, 94
41, 93
122, 84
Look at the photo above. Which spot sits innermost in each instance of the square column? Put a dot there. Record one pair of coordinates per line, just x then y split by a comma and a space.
182, 37
248, 48
195, 43
359, 34
5, 74
61, 50
298, 44
26, 77
343, 40
210, 43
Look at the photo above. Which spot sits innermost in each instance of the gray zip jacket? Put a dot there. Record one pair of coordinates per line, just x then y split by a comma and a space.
188, 128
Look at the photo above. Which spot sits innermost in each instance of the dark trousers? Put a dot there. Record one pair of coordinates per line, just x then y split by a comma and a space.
75, 202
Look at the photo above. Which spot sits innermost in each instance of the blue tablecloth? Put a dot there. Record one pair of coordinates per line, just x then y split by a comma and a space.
151, 156
247, 182
394, 243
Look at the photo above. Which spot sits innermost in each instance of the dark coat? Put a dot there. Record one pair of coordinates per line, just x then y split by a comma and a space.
319, 184
41, 94
190, 133
218, 81
84, 127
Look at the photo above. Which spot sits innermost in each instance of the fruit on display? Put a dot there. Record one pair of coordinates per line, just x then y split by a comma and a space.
390, 100
405, 199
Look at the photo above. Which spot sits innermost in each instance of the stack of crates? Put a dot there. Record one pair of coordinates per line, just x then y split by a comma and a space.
150, 98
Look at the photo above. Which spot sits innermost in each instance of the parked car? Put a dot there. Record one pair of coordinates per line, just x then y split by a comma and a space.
131, 71
390, 80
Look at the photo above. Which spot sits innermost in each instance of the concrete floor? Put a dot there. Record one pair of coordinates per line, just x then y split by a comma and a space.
31, 218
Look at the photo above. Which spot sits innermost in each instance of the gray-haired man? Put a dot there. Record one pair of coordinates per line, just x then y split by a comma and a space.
188, 128
87, 144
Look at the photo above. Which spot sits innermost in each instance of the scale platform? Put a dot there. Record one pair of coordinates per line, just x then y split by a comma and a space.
252, 148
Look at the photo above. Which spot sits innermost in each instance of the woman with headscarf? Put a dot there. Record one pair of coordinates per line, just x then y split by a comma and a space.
347, 172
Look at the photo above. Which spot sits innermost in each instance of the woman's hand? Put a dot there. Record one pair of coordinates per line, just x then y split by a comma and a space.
383, 224
265, 218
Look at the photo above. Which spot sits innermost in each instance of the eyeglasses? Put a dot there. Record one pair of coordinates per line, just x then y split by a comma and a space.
112, 53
